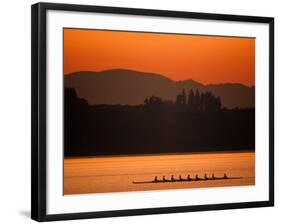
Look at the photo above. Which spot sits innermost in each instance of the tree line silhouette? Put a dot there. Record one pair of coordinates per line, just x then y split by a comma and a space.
193, 123
204, 101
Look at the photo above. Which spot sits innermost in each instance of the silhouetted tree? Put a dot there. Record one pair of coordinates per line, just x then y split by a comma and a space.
178, 100
191, 99
212, 103
202, 102
181, 98
153, 101
218, 103
197, 100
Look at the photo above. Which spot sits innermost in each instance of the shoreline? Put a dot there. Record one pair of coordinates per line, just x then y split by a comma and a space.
161, 154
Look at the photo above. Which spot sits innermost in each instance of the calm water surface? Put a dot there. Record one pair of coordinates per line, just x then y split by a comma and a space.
117, 174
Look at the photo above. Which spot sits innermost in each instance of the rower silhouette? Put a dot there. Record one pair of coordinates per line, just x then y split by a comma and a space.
164, 179
224, 176
155, 179
180, 177
213, 176
172, 178
198, 178
206, 178
188, 178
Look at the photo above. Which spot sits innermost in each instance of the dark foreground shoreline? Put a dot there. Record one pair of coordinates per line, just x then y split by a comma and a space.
153, 128
163, 154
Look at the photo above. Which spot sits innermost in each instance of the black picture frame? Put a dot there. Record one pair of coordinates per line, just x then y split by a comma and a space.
39, 122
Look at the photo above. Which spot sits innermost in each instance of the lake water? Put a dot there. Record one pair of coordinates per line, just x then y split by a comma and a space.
117, 173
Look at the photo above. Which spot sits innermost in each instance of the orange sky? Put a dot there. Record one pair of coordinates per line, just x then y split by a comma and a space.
206, 59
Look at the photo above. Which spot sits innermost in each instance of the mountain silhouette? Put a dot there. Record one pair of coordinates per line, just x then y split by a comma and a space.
128, 87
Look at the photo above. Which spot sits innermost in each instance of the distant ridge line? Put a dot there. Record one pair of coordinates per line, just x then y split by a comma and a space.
153, 73
129, 87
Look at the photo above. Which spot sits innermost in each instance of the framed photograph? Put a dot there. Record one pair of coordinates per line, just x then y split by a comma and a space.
140, 111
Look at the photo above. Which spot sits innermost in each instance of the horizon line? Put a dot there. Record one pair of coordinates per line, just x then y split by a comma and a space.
164, 76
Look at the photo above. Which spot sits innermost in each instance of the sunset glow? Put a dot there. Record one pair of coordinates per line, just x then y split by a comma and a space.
206, 59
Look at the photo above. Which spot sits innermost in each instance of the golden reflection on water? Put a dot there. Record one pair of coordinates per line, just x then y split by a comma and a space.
117, 173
